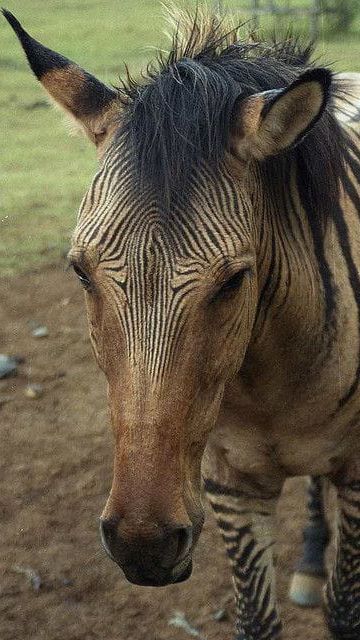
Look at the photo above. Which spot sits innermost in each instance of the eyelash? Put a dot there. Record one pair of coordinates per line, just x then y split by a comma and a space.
235, 281
84, 280
231, 285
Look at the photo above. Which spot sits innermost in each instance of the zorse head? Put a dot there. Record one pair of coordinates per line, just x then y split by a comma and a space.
166, 248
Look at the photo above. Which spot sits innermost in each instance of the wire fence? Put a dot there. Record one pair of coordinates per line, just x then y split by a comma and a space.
312, 11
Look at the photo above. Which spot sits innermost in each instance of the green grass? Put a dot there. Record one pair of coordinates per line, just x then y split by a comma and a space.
44, 172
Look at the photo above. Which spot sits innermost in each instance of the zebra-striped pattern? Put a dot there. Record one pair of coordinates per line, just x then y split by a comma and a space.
219, 248
247, 531
158, 266
342, 594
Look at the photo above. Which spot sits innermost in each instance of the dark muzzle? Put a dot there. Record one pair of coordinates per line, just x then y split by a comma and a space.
150, 561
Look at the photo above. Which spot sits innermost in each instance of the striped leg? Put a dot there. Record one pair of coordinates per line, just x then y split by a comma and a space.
308, 581
246, 524
343, 590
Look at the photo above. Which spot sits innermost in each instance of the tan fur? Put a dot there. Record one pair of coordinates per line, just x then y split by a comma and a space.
257, 137
66, 88
65, 85
203, 381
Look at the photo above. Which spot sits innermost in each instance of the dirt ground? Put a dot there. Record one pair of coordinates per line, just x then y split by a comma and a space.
55, 473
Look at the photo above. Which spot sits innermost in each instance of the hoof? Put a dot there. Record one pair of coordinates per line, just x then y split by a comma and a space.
306, 590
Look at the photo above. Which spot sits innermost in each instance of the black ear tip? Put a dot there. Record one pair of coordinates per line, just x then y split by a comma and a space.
40, 58
13, 22
321, 75
325, 76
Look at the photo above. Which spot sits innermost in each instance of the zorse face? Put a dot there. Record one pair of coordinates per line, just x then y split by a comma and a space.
171, 301
170, 307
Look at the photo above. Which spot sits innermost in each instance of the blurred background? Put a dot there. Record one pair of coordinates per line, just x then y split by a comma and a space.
45, 172
55, 464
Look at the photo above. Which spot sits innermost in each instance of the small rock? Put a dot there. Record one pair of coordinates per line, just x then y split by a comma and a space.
180, 621
8, 366
34, 391
220, 615
64, 302
40, 332
36, 104
31, 574
67, 582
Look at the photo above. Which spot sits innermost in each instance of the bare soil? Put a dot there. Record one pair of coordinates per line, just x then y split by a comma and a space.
55, 473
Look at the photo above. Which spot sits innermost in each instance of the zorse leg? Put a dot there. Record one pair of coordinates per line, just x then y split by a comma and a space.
343, 590
245, 519
308, 581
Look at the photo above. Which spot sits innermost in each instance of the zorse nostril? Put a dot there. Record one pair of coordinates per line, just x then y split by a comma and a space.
184, 542
165, 551
176, 544
107, 532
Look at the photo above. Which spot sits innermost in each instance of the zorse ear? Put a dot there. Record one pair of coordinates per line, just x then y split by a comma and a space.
270, 122
92, 104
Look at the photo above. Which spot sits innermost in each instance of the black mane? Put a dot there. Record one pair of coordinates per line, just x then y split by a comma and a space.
180, 114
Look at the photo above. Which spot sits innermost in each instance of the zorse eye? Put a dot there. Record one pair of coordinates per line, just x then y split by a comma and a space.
84, 279
234, 282
231, 285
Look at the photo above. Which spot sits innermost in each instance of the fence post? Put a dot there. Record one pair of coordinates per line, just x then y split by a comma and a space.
256, 4
314, 20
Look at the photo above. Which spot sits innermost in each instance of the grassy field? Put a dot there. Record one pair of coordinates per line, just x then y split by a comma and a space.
44, 172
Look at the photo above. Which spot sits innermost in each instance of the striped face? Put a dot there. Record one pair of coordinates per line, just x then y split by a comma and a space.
171, 301
171, 294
